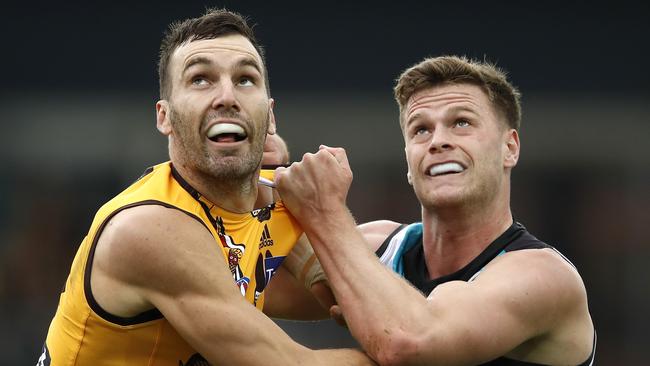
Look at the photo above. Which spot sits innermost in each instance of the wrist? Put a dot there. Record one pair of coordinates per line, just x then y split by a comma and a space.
326, 219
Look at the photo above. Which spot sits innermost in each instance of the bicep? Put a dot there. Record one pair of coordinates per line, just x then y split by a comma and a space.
172, 261
516, 299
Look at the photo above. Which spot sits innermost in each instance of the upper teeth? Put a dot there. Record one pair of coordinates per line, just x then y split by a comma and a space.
446, 168
220, 128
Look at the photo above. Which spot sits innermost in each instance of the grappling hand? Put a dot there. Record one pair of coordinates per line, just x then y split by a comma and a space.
275, 150
318, 185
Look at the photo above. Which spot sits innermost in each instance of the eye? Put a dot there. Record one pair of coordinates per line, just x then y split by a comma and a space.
462, 123
246, 81
199, 80
419, 130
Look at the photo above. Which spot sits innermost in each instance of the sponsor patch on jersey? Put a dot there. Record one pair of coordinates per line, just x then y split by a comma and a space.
264, 213
265, 239
271, 264
264, 271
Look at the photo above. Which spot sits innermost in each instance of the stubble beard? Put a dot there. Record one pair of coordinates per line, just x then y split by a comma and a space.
229, 166
472, 197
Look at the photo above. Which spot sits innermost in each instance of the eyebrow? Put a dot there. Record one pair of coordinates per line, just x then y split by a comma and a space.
200, 60
455, 109
463, 109
249, 62
197, 61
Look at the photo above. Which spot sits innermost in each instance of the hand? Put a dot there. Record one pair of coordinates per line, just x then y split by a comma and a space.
337, 315
316, 186
275, 150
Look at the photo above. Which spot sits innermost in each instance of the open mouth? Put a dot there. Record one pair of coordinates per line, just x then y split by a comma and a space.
227, 132
445, 168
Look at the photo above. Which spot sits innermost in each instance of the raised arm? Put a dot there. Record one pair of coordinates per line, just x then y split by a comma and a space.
300, 289
162, 258
529, 296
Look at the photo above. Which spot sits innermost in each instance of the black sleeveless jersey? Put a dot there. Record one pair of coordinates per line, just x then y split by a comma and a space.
403, 252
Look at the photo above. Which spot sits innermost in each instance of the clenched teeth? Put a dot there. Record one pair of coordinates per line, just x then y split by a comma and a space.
445, 168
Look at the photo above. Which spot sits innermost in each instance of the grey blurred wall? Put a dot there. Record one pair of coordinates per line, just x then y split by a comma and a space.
77, 105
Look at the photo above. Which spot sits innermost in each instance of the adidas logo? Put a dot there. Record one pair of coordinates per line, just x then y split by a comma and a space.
265, 239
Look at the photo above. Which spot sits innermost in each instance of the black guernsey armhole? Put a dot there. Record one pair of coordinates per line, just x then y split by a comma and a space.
144, 317
379, 252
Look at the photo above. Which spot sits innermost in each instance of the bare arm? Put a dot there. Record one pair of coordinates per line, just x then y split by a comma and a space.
375, 232
164, 259
287, 298
292, 296
300, 290
521, 297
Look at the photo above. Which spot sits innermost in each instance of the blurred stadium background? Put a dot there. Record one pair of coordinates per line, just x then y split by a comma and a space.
77, 97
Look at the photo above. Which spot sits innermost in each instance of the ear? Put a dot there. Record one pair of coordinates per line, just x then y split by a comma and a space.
162, 117
271, 128
409, 178
511, 148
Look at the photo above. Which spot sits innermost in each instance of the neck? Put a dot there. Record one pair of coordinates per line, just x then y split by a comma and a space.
234, 195
453, 237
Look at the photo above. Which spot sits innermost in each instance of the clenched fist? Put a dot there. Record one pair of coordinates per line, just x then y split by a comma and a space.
317, 185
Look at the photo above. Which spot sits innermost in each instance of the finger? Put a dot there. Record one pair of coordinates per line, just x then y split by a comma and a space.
337, 315
278, 175
338, 153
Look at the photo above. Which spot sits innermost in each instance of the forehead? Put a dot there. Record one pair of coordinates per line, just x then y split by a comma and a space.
448, 95
224, 47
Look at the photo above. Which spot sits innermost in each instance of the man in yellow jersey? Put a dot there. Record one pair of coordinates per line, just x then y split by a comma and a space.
477, 288
173, 269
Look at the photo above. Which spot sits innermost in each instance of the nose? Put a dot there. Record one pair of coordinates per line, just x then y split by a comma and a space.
440, 141
225, 97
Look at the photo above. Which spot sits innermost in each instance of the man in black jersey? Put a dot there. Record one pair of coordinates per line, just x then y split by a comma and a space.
486, 291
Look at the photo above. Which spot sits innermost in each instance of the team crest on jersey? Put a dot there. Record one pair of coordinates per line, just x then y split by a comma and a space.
44, 359
264, 271
235, 254
195, 360
264, 213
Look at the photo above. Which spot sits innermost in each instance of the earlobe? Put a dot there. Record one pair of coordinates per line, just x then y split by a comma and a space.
409, 177
512, 147
162, 117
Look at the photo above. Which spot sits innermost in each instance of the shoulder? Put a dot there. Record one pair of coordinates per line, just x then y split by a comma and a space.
141, 239
543, 268
376, 232
542, 265
543, 287
547, 292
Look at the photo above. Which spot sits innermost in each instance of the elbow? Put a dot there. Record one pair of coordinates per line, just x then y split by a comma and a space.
399, 348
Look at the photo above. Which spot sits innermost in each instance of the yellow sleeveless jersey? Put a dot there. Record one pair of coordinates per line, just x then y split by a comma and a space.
253, 244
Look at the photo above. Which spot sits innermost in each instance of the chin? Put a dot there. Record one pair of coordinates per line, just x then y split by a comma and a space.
443, 198
232, 167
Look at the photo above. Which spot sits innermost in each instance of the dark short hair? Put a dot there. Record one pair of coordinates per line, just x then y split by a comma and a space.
213, 24
442, 70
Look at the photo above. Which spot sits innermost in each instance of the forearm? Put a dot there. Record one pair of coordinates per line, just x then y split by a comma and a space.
375, 301
344, 357
256, 340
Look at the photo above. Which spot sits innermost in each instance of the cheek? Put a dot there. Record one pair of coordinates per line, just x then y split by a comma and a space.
410, 164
